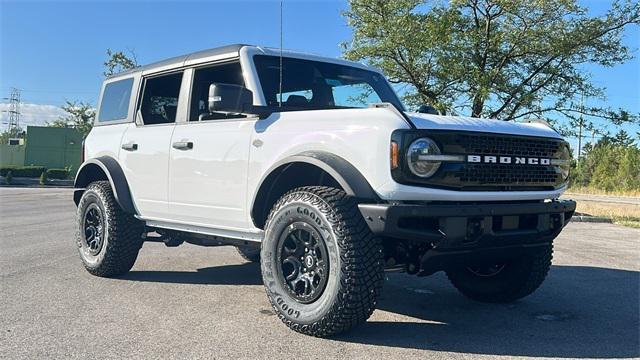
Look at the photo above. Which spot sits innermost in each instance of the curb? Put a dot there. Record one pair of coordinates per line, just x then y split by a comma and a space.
35, 182
591, 219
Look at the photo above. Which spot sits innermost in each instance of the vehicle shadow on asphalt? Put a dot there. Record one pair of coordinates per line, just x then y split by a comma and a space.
236, 274
579, 312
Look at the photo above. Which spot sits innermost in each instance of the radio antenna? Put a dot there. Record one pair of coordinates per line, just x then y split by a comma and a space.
280, 94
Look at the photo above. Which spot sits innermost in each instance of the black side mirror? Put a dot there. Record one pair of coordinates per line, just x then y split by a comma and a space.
230, 98
428, 109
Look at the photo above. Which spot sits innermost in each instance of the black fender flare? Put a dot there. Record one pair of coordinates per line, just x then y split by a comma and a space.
342, 171
114, 174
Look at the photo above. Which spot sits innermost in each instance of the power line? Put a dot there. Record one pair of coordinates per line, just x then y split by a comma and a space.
60, 92
56, 91
581, 123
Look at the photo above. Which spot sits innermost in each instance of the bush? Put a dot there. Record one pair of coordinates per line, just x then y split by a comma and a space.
8, 178
43, 178
59, 174
22, 171
7, 169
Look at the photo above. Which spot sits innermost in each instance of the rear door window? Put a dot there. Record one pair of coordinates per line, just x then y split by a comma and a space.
115, 101
160, 99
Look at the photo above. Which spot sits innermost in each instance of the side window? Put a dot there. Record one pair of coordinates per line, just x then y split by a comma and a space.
160, 99
229, 73
115, 101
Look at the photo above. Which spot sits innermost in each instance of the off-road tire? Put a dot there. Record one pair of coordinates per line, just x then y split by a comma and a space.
519, 277
249, 253
355, 275
122, 233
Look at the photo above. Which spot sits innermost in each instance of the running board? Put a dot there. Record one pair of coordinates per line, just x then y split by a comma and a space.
219, 233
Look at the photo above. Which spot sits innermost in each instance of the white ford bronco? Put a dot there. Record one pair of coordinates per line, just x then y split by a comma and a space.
312, 167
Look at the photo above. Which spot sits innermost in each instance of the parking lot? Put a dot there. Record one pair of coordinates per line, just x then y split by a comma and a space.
193, 302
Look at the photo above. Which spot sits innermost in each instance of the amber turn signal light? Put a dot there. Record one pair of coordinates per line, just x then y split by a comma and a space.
394, 155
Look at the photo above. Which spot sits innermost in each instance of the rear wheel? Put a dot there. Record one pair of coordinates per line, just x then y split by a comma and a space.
505, 281
321, 266
108, 239
249, 253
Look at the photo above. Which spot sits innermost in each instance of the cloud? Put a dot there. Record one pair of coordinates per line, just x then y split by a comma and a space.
31, 114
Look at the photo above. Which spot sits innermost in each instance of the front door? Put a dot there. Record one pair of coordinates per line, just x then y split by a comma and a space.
145, 145
209, 157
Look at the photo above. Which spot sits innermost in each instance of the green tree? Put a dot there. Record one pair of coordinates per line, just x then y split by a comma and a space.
623, 138
608, 166
629, 169
9, 134
504, 59
615, 168
118, 61
80, 116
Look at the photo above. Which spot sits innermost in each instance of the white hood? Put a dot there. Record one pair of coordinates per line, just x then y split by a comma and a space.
463, 123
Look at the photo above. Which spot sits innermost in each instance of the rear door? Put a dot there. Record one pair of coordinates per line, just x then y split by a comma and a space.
145, 145
210, 156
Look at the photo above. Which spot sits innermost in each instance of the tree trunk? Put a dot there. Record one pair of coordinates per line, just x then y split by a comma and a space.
478, 105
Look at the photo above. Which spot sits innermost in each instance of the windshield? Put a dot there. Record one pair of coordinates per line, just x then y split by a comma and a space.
313, 85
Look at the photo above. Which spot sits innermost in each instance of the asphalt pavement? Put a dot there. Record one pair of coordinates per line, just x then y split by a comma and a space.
193, 302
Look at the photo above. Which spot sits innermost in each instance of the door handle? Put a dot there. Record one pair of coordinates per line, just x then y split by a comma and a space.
130, 146
183, 145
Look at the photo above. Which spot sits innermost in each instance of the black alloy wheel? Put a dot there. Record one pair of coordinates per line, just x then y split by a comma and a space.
303, 262
93, 221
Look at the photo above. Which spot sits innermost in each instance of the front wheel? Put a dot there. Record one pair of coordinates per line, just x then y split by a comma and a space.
503, 282
108, 239
321, 266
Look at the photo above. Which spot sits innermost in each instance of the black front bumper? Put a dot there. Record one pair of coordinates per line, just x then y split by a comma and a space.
470, 230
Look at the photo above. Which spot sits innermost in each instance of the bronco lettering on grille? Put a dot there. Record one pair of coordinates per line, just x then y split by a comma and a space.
518, 160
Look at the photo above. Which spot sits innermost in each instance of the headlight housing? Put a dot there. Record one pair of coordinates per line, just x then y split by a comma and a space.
418, 155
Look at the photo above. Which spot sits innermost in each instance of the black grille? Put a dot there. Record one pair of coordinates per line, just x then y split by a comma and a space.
508, 146
488, 176
508, 174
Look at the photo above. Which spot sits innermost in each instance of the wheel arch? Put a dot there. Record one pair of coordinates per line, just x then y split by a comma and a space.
104, 168
307, 169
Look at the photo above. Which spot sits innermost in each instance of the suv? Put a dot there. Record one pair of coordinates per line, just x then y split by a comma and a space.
312, 167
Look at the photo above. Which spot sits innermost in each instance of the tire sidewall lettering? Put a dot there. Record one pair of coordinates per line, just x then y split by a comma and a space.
287, 306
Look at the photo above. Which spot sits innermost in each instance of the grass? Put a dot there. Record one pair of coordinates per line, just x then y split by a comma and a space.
623, 214
594, 191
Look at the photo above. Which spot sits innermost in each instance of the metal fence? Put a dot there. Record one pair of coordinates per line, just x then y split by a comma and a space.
12, 155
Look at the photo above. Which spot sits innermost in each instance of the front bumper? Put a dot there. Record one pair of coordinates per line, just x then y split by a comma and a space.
449, 225
460, 231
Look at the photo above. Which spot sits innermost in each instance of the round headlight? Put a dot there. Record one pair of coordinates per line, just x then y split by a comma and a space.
421, 167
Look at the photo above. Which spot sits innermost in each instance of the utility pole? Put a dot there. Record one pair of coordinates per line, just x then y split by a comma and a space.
14, 113
580, 124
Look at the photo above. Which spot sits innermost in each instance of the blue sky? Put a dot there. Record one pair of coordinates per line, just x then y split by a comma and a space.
55, 51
